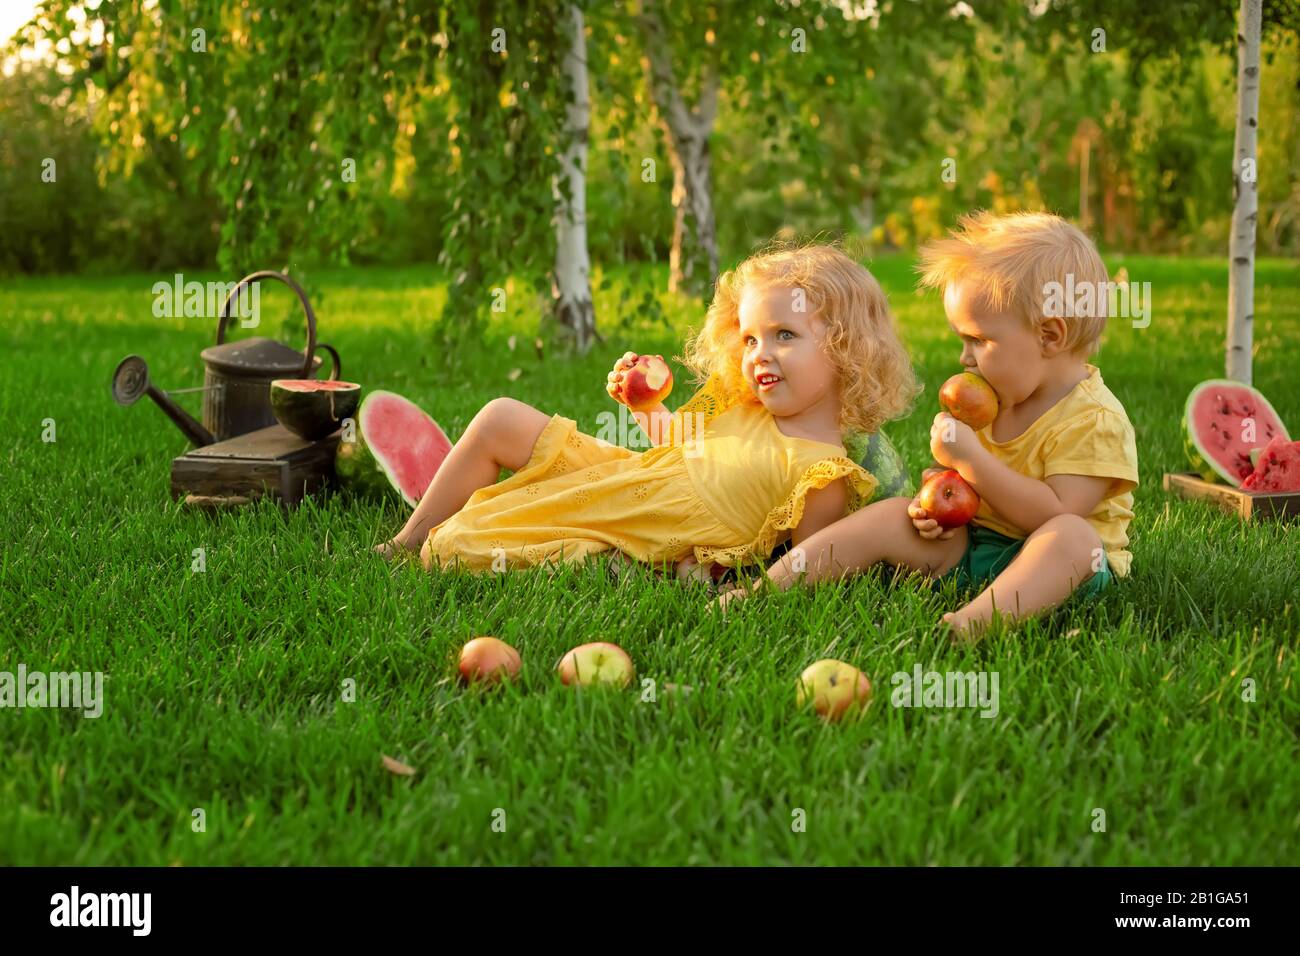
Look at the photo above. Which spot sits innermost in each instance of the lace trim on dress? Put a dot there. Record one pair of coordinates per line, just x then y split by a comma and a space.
787, 515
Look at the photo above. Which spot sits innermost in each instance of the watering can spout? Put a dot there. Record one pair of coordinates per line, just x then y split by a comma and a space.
131, 383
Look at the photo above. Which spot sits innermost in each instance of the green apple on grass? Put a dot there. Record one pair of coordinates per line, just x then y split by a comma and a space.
834, 689
597, 663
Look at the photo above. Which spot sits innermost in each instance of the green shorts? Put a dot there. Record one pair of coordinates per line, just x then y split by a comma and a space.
988, 553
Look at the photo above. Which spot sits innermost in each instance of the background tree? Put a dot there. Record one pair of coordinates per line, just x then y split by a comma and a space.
1241, 255
571, 286
1160, 33
694, 260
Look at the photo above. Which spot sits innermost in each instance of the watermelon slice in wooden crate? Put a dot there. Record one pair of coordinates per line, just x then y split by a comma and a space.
1277, 468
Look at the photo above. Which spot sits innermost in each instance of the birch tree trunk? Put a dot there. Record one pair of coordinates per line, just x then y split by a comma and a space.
1241, 250
571, 281
693, 262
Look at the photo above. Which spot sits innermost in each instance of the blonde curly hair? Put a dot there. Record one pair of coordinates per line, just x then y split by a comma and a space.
875, 377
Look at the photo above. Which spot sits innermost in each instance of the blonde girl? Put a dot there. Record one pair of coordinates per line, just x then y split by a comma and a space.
798, 348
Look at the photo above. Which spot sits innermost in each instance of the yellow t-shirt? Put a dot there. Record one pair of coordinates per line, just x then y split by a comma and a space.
1085, 433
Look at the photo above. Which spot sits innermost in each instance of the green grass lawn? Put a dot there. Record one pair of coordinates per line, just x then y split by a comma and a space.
223, 688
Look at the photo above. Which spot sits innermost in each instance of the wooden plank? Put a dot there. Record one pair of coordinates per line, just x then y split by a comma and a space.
270, 461
309, 472
1245, 504
266, 444
316, 453
226, 476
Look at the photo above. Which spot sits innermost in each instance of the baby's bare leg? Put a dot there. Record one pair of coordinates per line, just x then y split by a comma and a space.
1055, 559
502, 435
881, 532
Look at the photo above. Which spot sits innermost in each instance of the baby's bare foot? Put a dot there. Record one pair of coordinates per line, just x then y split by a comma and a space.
964, 629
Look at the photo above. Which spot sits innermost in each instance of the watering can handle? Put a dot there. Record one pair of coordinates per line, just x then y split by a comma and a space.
337, 370
302, 296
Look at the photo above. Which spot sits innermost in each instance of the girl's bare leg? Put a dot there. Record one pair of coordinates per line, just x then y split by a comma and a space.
881, 532
502, 435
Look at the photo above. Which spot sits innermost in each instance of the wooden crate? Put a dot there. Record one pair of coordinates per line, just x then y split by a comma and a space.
1245, 504
271, 461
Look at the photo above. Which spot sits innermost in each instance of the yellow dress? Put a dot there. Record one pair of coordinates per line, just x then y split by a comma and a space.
727, 485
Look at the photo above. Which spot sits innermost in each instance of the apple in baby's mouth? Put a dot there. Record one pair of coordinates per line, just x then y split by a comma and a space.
646, 383
970, 399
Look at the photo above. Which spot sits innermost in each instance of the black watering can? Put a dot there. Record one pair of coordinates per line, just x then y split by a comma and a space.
237, 378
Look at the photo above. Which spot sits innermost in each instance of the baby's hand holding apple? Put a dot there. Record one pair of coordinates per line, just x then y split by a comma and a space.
925, 526
951, 441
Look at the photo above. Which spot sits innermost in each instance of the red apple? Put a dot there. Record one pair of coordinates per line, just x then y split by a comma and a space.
598, 663
948, 499
488, 659
646, 383
971, 400
834, 688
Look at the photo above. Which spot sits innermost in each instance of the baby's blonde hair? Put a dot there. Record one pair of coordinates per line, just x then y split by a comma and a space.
1011, 259
874, 376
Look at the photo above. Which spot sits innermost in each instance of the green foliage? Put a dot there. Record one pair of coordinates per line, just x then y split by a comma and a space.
90, 218
502, 62
234, 156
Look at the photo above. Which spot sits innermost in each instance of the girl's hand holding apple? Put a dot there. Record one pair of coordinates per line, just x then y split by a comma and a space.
614, 381
641, 382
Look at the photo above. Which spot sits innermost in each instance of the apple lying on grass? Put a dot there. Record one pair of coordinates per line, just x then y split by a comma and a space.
835, 689
489, 660
646, 383
597, 663
970, 399
947, 498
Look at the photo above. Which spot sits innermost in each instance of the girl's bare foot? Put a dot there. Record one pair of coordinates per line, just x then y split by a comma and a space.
734, 593
617, 564
393, 550
726, 599
690, 571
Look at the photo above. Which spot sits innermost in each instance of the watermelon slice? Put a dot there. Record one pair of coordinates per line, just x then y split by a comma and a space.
1223, 421
398, 448
313, 408
1278, 469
